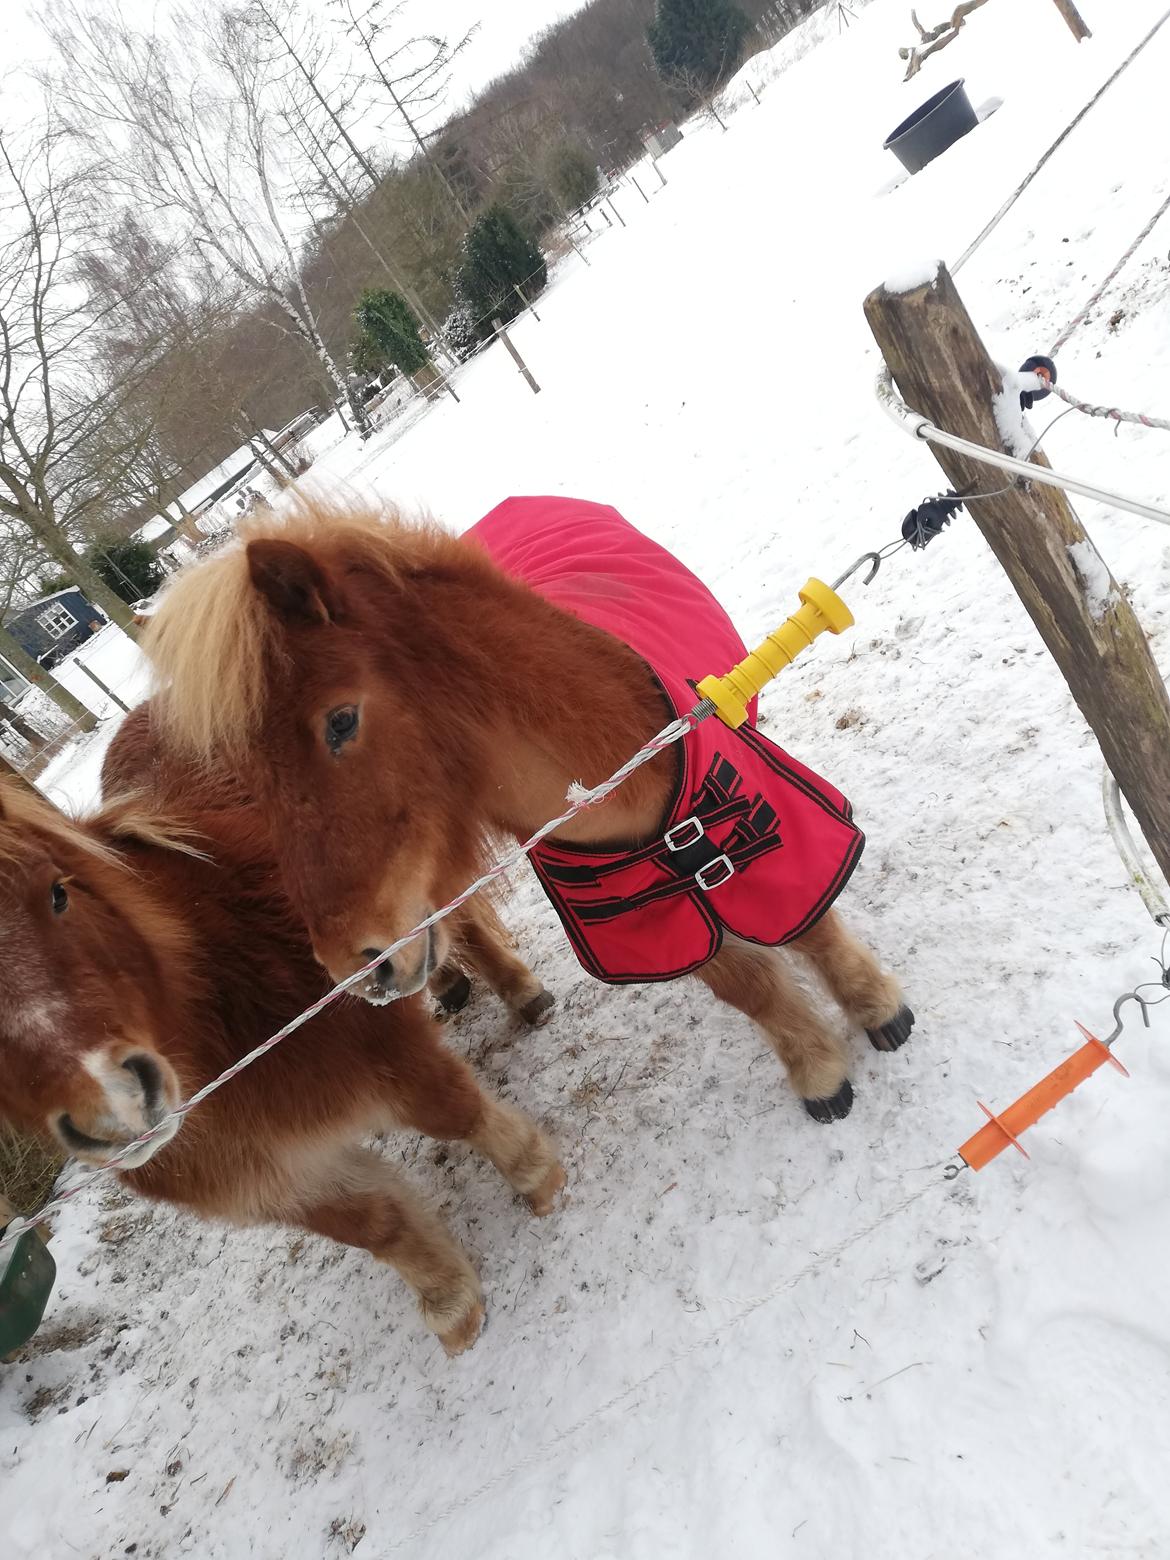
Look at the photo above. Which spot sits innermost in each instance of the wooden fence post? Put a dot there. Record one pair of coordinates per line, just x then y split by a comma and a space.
944, 373
1073, 17
498, 327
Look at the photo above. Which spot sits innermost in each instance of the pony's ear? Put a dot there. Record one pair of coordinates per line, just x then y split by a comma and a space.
291, 581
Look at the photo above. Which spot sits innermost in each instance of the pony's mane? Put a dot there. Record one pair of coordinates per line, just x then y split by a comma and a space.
212, 637
23, 811
122, 819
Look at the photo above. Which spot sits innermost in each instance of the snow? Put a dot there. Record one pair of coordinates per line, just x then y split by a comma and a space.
1094, 577
737, 1338
153, 529
116, 660
1015, 434
912, 276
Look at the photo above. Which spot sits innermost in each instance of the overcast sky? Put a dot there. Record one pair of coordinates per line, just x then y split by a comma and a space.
505, 26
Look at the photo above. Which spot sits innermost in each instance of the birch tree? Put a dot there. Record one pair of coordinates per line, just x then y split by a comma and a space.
192, 140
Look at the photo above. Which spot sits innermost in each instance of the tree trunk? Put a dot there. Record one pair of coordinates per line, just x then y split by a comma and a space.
82, 573
21, 661
944, 372
21, 726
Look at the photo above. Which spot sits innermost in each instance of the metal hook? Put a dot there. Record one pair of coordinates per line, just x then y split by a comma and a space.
853, 568
1119, 1022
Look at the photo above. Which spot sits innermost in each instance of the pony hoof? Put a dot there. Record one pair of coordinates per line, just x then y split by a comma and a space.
457, 995
461, 1338
834, 1109
888, 1037
532, 1012
543, 1199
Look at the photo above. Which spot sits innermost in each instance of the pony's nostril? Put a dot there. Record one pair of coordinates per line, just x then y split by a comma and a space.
79, 1142
370, 954
146, 1070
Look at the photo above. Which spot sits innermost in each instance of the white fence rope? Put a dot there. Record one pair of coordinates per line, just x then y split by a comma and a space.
1079, 319
1061, 138
581, 799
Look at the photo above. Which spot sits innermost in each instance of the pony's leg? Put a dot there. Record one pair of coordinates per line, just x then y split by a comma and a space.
362, 1202
435, 1092
870, 996
755, 981
483, 943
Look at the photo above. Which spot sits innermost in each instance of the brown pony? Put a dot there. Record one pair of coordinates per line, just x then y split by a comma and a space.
137, 762
393, 698
140, 956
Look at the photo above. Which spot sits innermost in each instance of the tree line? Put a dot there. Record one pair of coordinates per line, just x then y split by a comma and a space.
191, 235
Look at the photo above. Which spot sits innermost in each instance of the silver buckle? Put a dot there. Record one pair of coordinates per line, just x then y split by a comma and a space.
675, 839
723, 862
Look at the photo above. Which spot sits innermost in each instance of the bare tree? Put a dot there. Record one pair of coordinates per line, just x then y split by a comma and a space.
48, 406
313, 113
310, 57
195, 145
414, 73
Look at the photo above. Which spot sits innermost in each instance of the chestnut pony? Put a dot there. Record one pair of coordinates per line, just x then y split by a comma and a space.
138, 761
141, 953
393, 697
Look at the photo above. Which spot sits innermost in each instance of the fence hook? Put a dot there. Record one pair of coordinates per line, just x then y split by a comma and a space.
872, 558
1119, 1022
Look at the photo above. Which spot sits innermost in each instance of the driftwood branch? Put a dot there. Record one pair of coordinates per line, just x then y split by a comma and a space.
932, 39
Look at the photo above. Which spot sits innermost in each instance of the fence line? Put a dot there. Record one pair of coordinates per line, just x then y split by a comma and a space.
1061, 138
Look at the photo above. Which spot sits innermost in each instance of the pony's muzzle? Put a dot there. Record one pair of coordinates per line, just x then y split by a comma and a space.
406, 973
131, 1094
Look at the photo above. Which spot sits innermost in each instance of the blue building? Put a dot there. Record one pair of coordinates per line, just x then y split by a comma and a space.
53, 626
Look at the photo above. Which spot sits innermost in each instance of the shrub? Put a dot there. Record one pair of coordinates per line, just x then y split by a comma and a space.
387, 334
128, 566
498, 258
572, 174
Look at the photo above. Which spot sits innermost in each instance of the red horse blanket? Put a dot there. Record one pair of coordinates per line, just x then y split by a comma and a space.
753, 843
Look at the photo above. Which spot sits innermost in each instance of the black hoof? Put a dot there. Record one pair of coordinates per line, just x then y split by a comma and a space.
456, 996
890, 1036
532, 1012
834, 1109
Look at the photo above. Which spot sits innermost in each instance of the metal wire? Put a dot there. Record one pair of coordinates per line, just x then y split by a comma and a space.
581, 799
920, 427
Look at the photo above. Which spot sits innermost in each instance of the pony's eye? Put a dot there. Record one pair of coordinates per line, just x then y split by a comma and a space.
341, 726
60, 899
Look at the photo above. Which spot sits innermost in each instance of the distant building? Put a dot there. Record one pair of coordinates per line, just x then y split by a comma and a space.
660, 140
53, 626
12, 685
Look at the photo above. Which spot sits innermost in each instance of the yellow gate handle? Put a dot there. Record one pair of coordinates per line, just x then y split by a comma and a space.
821, 608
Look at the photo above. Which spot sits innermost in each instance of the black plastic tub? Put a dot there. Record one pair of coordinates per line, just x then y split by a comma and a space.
940, 122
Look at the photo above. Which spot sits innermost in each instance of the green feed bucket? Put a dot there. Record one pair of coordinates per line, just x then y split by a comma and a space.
27, 1271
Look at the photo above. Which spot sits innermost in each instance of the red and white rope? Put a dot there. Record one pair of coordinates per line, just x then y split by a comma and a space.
1113, 412
582, 798
1080, 318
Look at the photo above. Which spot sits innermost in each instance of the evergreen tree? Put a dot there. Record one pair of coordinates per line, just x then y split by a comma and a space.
128, 566
387, 333
498, 258
697, 42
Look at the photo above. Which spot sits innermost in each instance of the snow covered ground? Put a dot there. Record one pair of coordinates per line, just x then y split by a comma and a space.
737, 1338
